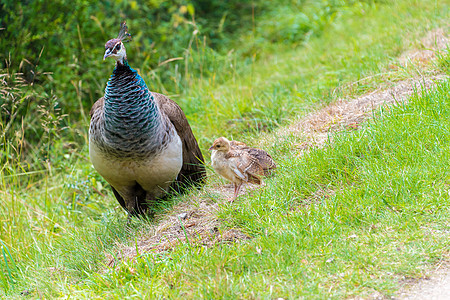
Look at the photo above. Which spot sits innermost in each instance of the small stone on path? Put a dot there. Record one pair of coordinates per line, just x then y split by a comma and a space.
182, 216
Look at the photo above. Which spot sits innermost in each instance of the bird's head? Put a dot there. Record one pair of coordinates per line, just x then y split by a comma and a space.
114, 48
220, 144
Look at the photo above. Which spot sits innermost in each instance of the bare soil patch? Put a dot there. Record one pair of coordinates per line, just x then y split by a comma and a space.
435, 286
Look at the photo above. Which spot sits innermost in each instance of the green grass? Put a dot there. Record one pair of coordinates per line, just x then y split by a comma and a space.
381, 214
382, 217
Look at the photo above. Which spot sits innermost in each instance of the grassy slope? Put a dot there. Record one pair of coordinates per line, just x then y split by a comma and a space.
393, 199
287, 81
383, 217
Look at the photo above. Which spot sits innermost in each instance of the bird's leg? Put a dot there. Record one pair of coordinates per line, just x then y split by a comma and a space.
237, 187
131, 208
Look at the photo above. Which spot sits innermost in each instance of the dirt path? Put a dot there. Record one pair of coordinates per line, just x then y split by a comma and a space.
197, 221
434, 287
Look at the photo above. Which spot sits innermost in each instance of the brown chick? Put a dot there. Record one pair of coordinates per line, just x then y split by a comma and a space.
265, 160
238, 166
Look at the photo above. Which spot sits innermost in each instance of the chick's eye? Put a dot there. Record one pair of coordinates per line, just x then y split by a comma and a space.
118, 47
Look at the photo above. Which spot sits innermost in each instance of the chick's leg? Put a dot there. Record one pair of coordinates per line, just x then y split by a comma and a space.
237, 187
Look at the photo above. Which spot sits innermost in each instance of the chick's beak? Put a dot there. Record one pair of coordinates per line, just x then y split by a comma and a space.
107, 53
211, 148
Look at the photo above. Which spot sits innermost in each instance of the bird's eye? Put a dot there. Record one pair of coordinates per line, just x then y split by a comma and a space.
118, 47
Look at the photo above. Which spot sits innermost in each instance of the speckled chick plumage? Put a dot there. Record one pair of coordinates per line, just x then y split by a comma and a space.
265, 160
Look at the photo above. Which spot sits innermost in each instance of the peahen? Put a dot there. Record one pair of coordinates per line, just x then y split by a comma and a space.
141, 141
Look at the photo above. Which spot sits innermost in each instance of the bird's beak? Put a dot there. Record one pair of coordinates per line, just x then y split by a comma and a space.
107, 53
211, 148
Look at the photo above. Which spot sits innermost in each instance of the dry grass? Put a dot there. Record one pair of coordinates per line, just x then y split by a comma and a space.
193, 222
317, 128
436, 39
196, 221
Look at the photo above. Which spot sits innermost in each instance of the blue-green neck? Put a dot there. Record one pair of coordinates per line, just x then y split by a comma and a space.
130, 113
123, 65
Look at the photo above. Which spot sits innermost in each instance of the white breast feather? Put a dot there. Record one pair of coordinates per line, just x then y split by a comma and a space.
153, 175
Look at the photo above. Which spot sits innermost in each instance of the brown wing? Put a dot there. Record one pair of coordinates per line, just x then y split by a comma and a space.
246, 165
193, 169
265, 160
97, 105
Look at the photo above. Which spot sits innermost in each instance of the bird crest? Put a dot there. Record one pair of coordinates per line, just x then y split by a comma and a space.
124, 36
